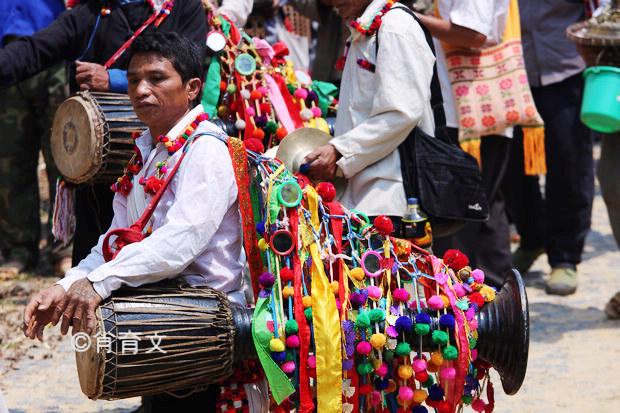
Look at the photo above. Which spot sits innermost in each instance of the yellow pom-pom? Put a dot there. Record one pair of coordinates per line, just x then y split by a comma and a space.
168, 144
377, 341
436, 358
276, 345
263, 245
307, 301
488, 293
405, 372
419, 396
288, 292
446, 301
358, 274
334, 286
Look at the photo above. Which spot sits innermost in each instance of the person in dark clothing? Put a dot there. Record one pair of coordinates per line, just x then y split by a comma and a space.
91, 33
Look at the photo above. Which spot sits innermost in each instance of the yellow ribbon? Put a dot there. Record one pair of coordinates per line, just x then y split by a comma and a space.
326, 322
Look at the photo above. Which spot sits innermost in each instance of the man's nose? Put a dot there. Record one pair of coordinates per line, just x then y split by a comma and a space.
142, 88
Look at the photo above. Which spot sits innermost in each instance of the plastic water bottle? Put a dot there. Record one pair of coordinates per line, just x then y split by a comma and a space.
415, 225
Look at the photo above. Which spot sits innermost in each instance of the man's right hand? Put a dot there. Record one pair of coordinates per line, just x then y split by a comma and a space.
44, 308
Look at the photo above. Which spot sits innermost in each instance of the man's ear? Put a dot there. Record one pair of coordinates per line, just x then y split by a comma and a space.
193, 87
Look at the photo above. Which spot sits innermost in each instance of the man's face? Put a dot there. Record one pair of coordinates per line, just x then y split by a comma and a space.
157, 92
350, 9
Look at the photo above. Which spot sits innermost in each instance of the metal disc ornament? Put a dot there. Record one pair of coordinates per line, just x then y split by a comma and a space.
245, 64
216, 41
290, 194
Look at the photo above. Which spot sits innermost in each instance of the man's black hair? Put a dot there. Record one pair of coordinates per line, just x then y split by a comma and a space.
185, 55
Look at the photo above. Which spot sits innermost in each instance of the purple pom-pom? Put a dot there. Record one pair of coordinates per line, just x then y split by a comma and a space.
357, 299
312, 96
419, 409
266, 280
435, 392
260, 228
403, 324
447, 321
382, 383
422, 318
347, 364
260, 120
278, 356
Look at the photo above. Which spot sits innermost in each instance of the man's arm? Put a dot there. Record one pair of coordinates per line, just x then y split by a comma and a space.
63, 39
453, 34
206, 190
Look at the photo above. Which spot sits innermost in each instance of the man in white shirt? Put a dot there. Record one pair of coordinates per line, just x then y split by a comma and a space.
378, 109
196, 226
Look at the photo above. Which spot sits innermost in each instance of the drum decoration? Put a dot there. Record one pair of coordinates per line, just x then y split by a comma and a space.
252, 85
349, 318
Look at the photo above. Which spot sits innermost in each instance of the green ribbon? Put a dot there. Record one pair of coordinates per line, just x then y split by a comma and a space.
279, 383
326, 92
211, 90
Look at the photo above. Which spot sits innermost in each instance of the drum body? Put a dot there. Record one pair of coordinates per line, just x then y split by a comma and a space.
197, 337
91, 136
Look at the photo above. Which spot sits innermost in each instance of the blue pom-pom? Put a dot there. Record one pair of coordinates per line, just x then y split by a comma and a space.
419, 409
422, 318
260, 228
435, 392
403, 324
447, 321
381, 384
278, 356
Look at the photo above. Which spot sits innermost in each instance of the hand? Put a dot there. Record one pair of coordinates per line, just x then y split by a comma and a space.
322, 163
92, 76
42, 310
80, 304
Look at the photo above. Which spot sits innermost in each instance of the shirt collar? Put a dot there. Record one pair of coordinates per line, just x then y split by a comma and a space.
367, 16
146, 139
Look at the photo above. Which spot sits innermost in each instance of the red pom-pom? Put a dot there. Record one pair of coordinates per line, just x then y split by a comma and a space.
256, 94
265, 108
152, 185
223, 85
455, 259
421, 376
281, 133
255, 145
327, 191
286, 274
383, 224
302, 180
477, 299
443, 407
365, 389
258, 134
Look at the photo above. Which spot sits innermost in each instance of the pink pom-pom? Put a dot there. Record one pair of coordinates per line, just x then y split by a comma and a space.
478, 275
263, 90
270, 326
374, 292
405, 393
364, 348
301, 93
375, 398
478, 405
316, 111
474, 354
338, 305
470, 314
382, 370
435, 302
391, 332
401, 295
292, 341
459, 290
474, 324
250, 111
447, 373
419, 365
288, 367
312, 362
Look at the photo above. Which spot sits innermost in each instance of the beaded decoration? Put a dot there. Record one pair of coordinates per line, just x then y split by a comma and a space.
375, 23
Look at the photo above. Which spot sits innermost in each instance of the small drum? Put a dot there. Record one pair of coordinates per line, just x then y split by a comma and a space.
162, 338
91, 136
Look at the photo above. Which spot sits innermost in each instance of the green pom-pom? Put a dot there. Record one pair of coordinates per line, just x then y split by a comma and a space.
364, 368
291, 327
290, 356
376, 315
308, 313
388, 355
467, 399
422, 329
231, 88
472, 342
429, 382
403, 349
440, 337
291, 89
450, 353
271, 127
363, 320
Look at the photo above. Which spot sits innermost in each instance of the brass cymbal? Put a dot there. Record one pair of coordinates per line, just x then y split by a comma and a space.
299, 143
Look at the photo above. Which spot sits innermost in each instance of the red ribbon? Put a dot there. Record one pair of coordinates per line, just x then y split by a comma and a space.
288, 99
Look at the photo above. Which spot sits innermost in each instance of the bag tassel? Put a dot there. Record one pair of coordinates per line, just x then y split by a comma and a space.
472, 147
534, 150
63, 221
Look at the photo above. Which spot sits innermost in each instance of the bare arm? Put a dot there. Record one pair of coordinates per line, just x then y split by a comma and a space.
453, 34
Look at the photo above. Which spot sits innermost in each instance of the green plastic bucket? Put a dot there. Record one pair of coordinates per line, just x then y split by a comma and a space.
600, 109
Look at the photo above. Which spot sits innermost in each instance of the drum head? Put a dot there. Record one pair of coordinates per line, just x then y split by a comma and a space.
90, 364
76, 139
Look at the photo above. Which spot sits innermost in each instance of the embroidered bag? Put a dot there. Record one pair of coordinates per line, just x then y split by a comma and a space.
492, 93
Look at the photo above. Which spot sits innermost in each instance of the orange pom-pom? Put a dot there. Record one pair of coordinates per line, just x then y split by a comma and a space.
281, 133
258, 134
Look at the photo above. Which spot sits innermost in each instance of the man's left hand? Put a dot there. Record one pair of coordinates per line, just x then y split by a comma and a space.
79, 308
92, 76
322, 163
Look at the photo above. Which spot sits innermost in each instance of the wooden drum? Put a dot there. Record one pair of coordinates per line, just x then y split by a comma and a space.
91, 136
198, 334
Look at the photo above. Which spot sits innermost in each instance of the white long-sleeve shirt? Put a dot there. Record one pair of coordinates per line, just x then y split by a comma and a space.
237, 10
196, 225
378, 110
